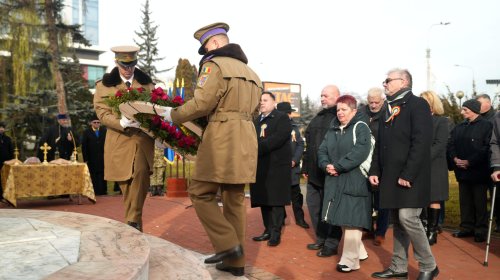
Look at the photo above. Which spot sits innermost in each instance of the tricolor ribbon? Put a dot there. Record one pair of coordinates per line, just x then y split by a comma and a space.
263, 130
394, 112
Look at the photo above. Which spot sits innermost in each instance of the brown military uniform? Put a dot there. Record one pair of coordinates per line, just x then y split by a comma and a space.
228, 92
128, 153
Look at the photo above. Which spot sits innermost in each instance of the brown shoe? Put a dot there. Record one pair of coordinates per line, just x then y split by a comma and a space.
379, 240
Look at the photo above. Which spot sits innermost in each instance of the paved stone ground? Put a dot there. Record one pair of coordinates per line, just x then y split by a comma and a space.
174, 220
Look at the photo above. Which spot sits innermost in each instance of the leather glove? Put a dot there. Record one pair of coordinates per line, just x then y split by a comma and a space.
124, 122
166, 113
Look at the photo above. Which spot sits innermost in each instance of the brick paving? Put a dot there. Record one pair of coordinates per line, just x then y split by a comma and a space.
174, 220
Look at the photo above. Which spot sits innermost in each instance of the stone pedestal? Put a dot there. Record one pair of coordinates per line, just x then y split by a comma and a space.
176, 187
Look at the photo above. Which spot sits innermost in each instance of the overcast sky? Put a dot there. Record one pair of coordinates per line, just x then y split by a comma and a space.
314, 43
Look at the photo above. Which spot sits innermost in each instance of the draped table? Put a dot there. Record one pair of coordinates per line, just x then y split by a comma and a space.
41, 180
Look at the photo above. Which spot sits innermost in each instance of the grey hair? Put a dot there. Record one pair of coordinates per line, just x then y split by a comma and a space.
404, 73
484, 96
376, 91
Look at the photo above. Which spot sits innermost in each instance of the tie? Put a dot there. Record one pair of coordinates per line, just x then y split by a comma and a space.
97, 133
127, 83
262, 117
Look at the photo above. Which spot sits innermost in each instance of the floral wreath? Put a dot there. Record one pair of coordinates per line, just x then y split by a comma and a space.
178, 137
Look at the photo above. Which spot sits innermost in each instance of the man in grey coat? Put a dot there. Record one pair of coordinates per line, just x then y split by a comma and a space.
401, 170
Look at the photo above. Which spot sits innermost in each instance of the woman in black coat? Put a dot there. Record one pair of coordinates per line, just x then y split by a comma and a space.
271, 191
439, 166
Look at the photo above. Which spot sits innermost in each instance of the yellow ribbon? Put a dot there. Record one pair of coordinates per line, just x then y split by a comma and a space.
263, 130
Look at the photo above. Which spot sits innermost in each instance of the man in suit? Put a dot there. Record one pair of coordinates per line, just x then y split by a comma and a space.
401, 170
128, 151
227, 92
271, 191
297, 147
93, 154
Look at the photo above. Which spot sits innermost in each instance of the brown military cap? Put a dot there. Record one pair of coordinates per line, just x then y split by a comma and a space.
205, 33
125, 55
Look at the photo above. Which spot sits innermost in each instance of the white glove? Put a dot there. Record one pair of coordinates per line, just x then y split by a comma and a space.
166, 113
159, 144
124, 122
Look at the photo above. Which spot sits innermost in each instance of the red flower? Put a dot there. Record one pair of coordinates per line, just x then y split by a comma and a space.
156, 120
141, 89
177, 99
118, 94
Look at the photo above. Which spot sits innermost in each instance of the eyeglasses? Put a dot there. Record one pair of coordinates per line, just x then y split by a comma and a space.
388, 80
130, 67
96, 122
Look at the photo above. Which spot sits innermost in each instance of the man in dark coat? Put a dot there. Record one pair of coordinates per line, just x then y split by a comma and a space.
401, 170
61, 139
375, 110
495, 159
327, 236
93, 139
297, 148
468, 155
6, 151
271, 191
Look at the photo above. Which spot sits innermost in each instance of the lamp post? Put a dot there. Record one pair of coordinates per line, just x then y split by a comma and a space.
473, 79
460, 94
428, 53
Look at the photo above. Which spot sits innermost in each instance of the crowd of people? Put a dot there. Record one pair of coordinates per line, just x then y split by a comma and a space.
406, 185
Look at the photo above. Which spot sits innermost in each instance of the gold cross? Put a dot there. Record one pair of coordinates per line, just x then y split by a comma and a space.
45, 149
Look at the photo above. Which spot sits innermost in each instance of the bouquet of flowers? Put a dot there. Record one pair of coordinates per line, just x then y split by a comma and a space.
177, 137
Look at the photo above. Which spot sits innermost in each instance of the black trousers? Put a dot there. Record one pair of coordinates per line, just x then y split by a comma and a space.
273, 217
473, 211
297, 202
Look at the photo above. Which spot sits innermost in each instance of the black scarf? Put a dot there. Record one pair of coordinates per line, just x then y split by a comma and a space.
229, 50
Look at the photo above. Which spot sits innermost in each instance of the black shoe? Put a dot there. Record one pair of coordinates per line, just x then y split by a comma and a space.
463, 233
302, 224
326, 252
428, 275
232, 253
135, 225
274, 241
388, 273
265, 236
235, 271
432, 237
314, 246
479, 238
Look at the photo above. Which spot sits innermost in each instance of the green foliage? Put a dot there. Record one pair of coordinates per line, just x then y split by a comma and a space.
188, 73
451, 108
148, 53
307, 111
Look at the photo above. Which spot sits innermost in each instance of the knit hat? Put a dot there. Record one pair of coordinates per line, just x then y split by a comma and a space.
473, 105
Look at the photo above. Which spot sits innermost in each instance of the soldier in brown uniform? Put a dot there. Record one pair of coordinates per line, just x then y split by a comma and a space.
228, 93
128, 152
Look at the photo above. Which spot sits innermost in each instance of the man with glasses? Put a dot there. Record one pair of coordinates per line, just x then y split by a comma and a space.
401, 170
128, 157
93, 154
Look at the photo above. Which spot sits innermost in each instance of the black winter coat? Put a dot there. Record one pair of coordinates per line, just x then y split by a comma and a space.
471, 141
93, 149
272, 186
297, 147
314, 135
6, 149
403, 150
439, 167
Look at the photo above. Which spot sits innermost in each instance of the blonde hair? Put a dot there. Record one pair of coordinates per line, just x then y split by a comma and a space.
434, 102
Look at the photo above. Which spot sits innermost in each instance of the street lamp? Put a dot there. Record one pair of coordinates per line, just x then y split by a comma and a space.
428, 53
460, 94
473, 79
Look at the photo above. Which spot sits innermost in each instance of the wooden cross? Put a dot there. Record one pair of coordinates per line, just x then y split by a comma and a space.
45, 149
